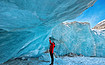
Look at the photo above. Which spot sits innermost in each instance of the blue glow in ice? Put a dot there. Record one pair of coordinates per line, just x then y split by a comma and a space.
25, 25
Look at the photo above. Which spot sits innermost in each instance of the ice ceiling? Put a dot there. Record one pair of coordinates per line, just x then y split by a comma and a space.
25, 25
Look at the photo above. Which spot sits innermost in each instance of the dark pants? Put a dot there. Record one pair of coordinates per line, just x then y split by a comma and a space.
52, 58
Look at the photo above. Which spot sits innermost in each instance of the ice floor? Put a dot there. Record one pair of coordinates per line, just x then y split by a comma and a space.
59, 61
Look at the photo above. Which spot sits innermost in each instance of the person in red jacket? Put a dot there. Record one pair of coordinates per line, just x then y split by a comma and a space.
52, 45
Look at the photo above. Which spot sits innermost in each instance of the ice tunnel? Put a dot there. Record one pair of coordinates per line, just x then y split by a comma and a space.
25, 25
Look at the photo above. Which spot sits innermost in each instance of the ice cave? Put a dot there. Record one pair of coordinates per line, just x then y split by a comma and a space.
26, 25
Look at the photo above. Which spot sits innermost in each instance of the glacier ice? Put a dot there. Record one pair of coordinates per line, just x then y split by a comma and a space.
25, 25
99, 38
77, 37
74, 37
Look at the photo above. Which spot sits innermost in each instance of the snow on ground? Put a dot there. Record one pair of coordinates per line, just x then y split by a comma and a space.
59, 61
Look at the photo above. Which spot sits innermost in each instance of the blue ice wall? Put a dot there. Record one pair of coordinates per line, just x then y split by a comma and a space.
25, 24
99, 38
74, 37
77, 37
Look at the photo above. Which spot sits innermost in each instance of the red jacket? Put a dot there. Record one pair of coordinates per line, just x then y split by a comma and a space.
52, 45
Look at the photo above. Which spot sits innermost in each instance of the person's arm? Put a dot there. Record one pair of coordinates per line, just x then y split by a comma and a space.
50, 41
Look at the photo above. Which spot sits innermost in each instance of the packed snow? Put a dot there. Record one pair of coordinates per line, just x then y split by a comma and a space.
64, 60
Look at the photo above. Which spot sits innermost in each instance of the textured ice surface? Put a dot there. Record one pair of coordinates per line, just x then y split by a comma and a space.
99, 38
78, 38
58, 61
74, 37
26, 24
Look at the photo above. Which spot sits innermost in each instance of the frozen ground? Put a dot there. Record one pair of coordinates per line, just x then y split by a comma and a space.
59, 61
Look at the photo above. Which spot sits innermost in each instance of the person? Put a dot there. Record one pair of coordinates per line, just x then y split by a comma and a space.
52, 45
